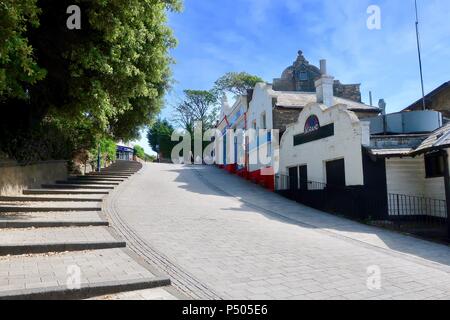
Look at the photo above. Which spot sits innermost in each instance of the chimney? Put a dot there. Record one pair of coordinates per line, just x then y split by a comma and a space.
324, 86
382, 106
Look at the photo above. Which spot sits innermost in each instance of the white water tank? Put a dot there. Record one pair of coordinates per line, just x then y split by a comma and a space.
406, 122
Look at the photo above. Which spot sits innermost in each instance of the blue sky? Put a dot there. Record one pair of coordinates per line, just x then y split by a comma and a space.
262, 37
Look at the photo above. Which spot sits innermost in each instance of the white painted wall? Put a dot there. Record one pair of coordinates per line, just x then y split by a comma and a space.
261, 103
346, 143
407, 176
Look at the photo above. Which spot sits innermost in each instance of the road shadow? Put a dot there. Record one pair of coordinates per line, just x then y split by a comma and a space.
254, 198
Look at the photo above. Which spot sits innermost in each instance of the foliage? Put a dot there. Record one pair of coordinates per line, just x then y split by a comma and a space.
197, 105
236, 83
17, 63
139, 152
108, 150
159, 137
107, 79
149, 158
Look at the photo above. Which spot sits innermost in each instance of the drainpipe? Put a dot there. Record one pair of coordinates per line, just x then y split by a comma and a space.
447, 190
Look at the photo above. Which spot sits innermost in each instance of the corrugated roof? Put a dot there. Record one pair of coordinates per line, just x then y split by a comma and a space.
289, 99
391, 152
438, 139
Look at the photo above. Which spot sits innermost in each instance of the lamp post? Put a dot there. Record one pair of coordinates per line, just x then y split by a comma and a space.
98, 158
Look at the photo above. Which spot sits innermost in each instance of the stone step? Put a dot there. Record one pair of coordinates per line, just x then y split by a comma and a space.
94, 183
51, 219
77, 186
113, 174
108, 176
64, 192
53, 198
161, 293
42, 240
40, 206
101, 272
121, 172
96, 178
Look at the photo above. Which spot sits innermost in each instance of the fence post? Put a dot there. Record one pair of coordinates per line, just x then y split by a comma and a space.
447, 190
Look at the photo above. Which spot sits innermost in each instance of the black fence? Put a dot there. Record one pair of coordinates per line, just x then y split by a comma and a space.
418, 215
354, 202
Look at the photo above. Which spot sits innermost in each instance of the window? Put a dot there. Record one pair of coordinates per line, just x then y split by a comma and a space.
303, 76
263, 121
434, 165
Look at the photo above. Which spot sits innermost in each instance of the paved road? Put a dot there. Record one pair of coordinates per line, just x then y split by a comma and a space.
218, 236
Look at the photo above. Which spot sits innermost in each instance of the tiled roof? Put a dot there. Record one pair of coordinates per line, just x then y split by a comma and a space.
289, 99
438, 139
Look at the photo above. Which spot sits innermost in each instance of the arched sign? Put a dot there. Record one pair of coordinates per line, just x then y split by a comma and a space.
312, 124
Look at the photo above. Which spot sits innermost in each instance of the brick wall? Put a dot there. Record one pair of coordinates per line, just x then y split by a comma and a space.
347, 91
284, 116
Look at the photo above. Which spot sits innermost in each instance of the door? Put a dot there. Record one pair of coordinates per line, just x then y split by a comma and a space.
303, 173
293, 179
336, 173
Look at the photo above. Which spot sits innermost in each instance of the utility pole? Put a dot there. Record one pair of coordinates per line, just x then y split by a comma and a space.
420, 56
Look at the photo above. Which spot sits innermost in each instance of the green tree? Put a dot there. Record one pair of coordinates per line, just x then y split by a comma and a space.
139, 152
111, 75
108, 150
159, 137
236, 83
17, 63
197, 105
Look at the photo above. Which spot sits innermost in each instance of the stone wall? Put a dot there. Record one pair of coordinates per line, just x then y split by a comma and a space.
282, 117
15, 178
347, 91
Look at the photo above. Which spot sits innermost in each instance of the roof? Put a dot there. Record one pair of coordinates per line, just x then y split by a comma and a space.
418, 103
289, 99
391, 152
439, 139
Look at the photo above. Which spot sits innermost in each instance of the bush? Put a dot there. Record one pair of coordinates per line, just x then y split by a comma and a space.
139, 152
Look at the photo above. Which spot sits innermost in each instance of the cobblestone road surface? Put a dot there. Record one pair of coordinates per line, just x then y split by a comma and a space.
217, 234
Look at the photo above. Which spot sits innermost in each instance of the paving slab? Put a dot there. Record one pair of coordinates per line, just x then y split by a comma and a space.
20, 241
51, 219
99, 272
78, 191
53, 198
35, 206
217, 235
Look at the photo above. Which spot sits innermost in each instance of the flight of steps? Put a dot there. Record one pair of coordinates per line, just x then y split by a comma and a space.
52, 236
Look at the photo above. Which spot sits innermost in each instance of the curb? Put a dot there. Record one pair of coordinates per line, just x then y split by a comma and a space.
51, 224
75, 186
90, 182
86, 290
47, 209
58, 191
20, 249
47, 199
